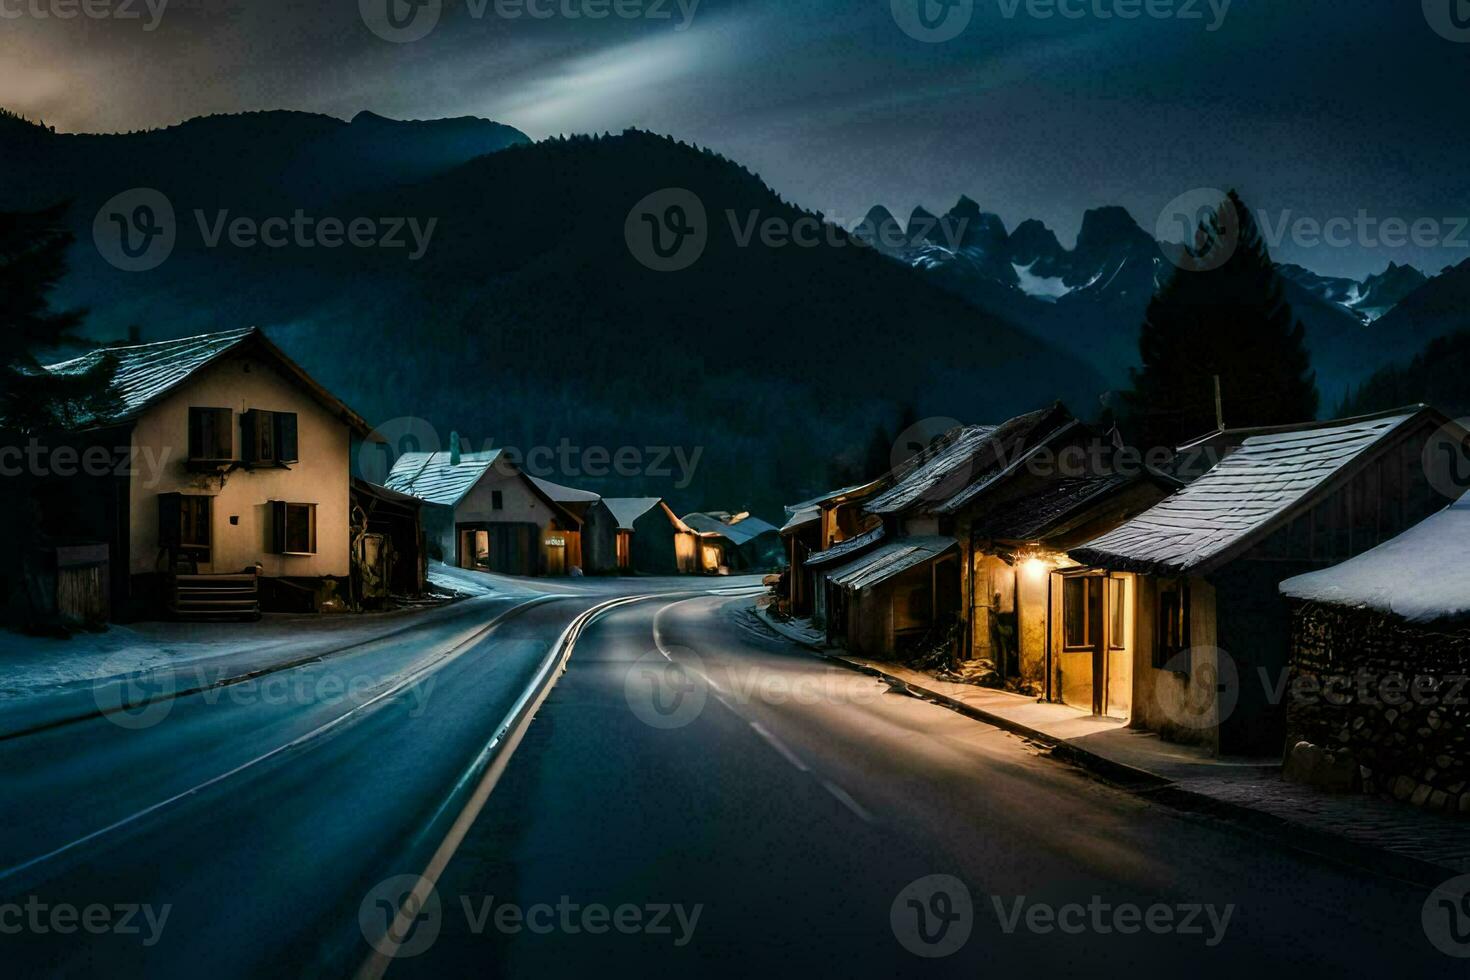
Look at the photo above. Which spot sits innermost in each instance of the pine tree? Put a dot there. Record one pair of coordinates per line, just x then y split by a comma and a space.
1225, 319
32, 262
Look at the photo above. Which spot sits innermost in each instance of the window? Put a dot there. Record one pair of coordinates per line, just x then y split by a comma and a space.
497, 500
1173, 627
184, 523
211, 434
1117, 612
1081, 615
268, 437
293, 528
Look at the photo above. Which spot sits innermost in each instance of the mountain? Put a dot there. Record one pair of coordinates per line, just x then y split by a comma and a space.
1439, 375
1093, 296
529, 322
1369, 299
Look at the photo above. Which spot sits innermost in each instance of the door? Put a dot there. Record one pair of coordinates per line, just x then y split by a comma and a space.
1084, 657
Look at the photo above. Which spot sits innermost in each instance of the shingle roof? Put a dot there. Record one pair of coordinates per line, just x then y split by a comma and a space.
145, 373
1031, 516
845, 549
891, 559
626, 510
1241, 498
431, 476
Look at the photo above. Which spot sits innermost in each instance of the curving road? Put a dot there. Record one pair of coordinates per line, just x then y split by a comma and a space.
694, 795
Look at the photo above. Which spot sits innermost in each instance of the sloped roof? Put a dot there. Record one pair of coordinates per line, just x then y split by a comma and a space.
1421, 575
1007, 453
801, 518
857, 490
432, 477
626, 510
740, 532
845, 549
1243, 497
563, 494
888, 560
1035, 514
145, 373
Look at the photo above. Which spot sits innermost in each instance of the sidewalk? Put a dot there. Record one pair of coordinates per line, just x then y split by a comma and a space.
1387, 836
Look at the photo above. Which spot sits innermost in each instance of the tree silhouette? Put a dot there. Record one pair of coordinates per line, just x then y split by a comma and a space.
1221, 314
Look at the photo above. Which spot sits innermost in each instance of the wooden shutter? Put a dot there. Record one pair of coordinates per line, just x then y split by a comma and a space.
250, 437
211, 433
278, 527
169, 520
285, 433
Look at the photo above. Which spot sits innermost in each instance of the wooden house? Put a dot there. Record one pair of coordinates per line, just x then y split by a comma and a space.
482, 512
1200, 570
627, 535
838, 517
800, 538
228, 472
735, 542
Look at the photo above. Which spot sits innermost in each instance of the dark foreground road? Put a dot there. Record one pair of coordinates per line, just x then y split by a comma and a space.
694, 797
775, 820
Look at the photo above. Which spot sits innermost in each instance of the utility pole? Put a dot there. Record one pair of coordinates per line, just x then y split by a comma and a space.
1219, 409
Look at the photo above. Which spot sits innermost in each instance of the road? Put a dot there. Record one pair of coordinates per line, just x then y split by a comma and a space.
695, 794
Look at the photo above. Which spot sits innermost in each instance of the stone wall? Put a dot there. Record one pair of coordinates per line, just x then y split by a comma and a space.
1380, 706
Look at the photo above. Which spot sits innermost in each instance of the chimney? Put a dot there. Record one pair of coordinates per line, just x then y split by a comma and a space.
454, 449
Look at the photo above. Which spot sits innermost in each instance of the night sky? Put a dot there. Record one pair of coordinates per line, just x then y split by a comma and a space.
1313, 108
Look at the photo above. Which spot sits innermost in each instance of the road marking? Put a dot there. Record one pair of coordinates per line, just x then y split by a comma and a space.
408, 681
779, 746
848, 801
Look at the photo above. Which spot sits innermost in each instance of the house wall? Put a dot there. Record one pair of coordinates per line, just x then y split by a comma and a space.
241, 519
870, 622
1180, 707
599, 540
1032, 619
654, 551
1385, 697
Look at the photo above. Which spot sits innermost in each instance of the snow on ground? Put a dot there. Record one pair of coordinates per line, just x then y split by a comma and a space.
1421, 575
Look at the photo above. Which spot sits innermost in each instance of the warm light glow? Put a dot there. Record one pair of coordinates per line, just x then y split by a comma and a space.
1035, 567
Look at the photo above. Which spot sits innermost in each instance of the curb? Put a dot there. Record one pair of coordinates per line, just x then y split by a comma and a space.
1152, 786
63, 721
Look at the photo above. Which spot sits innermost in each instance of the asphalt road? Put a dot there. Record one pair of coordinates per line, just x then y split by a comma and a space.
698, 797
695, 795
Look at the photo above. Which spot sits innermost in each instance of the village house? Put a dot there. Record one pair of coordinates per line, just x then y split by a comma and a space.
578, 502
482, 512
1378, 700
231, 477
1200, 570
624, 535
826, 522
735, 542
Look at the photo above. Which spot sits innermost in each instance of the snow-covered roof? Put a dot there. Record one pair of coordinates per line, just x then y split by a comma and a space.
1421, 575
626, 510
801, 518
939, 475
888, 560
432, 477
145, 373
565, 495
1242, 498
845, 549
